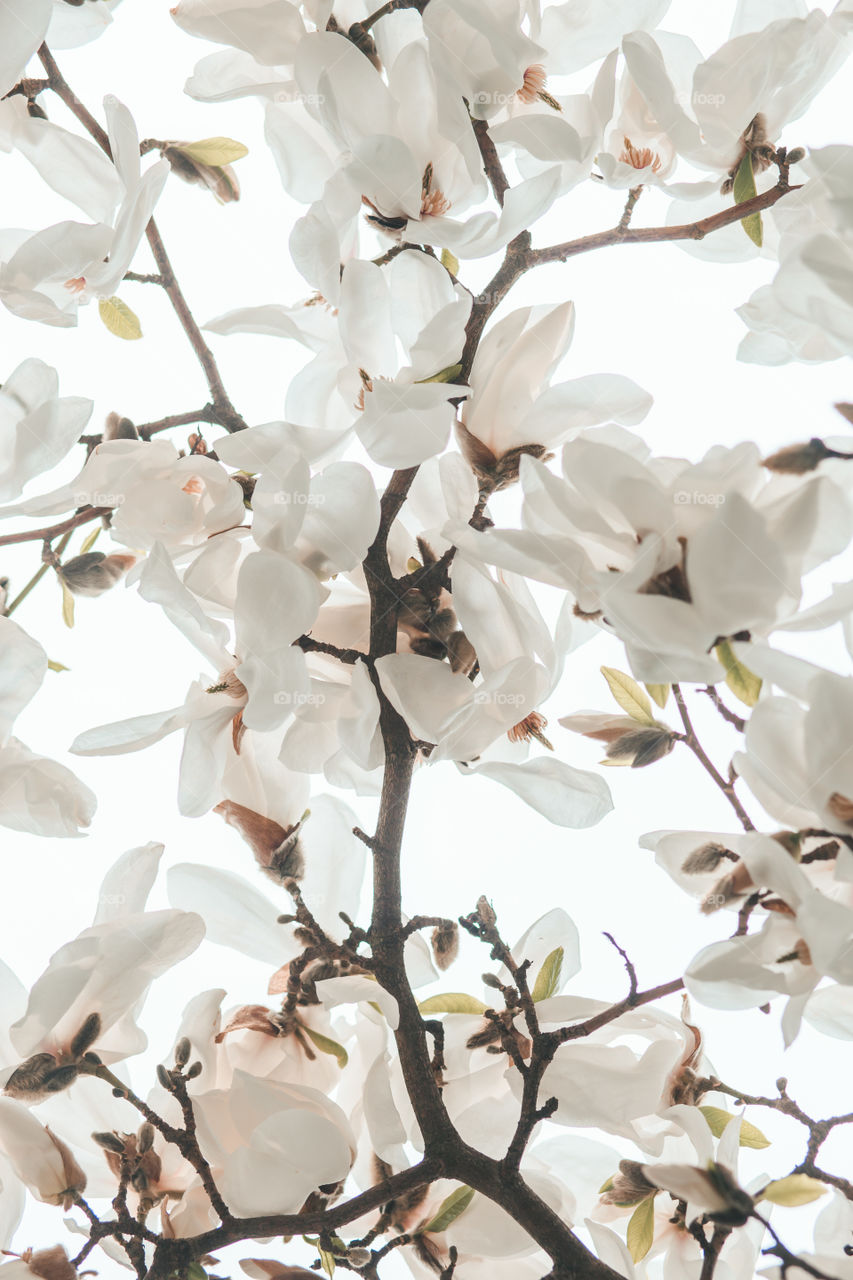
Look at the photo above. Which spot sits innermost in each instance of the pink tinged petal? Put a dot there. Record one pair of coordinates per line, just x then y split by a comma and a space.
235, 913
126, 886
566, 796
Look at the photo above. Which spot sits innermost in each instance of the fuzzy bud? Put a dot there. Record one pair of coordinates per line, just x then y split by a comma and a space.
218, 178
629, 1186
94, 573
486, 912
276, 848
193, 1071
38, 1078
117, 427
50, 1264
445, 944
182, 1051
797, 459
641, 747
704, 859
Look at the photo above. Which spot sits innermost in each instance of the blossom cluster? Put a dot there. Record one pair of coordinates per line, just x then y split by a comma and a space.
412, 554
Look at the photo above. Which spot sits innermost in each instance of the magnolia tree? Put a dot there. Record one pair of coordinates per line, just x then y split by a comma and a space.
395, 578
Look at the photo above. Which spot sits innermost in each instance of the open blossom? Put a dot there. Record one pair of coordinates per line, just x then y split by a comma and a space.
647, 546
40, 1159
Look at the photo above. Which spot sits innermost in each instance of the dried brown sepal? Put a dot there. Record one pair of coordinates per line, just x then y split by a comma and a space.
445, 944
798, 459
735, 884
118, 427
276, 848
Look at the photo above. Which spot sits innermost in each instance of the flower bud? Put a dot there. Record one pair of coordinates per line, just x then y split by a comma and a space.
797, 459
704, 859
276, 848
629, 1186
94, 573
38, 1077
50, 1264
486, 912
218, 178
182, 1051
118, 428
445, 944
641, 747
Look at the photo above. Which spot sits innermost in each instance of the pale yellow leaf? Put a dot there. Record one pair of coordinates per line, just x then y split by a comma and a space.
629, 695
214, 151
119, 319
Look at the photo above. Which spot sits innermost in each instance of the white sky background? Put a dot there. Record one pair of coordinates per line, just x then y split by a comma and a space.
652, 312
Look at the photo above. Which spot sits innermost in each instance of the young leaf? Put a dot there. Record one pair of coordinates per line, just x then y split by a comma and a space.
119, 319
90, 541
450, 261
56, 666
327, 1260
744, 189
450, 374
659, 693
548, 978
326, 1045
452, 1002
67, 606
744, 684
195, 1271
796, 1189
450, 1209
629, 695
750, 1136
641, 1229
214, 151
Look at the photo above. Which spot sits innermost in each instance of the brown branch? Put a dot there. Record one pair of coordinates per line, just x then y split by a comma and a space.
48, 533
491, 161
662, 235
691, 740
728, 715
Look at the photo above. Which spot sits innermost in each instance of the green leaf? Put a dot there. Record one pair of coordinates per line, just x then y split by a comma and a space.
67, 606
326, 1045
744, 684
796, 1189
90, 541
548, 978
327, 1260
452, 1002
744, 189
641, 1229
450, 374
629, 695
195, 1271
214, 151
452, 1207
119, 319
605, 1186
450, 261
659, 693
750, 1136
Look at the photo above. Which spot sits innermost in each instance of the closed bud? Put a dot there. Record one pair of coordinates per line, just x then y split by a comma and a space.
704, 859
86, 1036
193, 1070
35, 110
145, 1138
94, 573
490, 980
182, 1051
445, 944
359, 1258
110, 1142
118, 428
641, 747
486, 912
165, 1078
629, 1186
795, 155
218, 178
797, 459
50, 1264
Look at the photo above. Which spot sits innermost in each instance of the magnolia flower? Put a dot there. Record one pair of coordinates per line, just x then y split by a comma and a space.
36, 794
155, 495
72, 25
88, 995
674, 557
44, 276
725, 114
42, 1161
513, 409
48, 1264
270, 32
270, 1144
